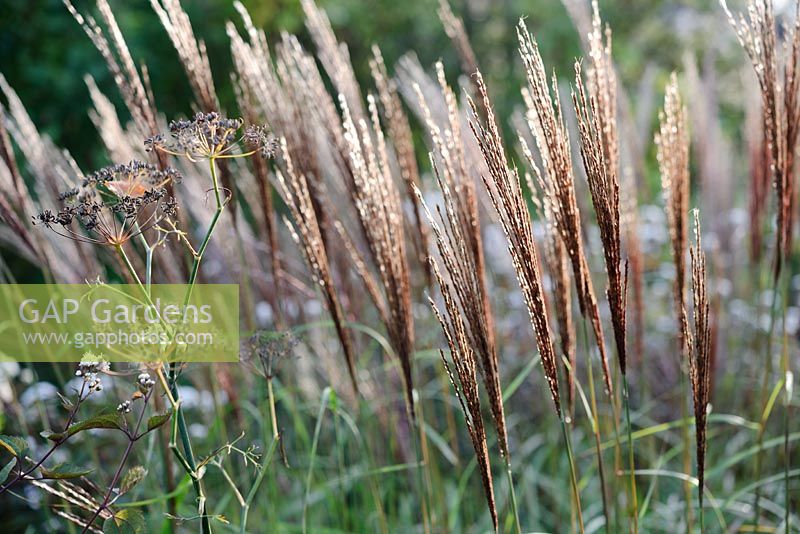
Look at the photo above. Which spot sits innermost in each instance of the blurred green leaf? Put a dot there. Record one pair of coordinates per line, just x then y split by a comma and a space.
7, 470
64, 471
134, 475
109, 420
129, 521
157, 420
15, 445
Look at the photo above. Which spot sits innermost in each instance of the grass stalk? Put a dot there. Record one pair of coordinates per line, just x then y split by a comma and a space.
323, 406
634, 497
513, 495
766, 401
595, 422
423, 480
573, 474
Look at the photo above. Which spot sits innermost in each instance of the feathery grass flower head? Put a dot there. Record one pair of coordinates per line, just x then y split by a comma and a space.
113, 205
210, 135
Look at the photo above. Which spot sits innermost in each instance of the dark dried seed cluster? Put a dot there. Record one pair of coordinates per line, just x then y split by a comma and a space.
258, 137
138, 203
210, 135
132, 179
266, 351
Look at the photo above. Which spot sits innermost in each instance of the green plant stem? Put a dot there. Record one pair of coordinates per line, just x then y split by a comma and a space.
118, 473
188, 461
631, 462
323, 406
573, 475
272, 414
198, 257
513, 495
132, 271
594, 416
764, 388
418, 425
251, 495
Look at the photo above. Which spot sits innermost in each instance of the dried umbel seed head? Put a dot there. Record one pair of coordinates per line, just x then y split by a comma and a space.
114, 205
133, 179
258, 137
265, 351
209, 136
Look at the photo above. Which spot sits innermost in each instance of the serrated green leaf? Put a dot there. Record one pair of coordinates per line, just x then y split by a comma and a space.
157, 420
134, 475
64, 471
102, 420
129, 521
15, 445
7, 470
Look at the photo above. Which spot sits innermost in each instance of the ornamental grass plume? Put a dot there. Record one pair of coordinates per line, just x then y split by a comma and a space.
505, 192
460, 245
192, 53
556, 261
636, 260
546, 122
306, 233
595, 125
278, 89
672, 149
14, 198
364, 165
779, 82
697, 349
759, 176
131, 84
375, 196
401, 138
465, 378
